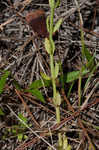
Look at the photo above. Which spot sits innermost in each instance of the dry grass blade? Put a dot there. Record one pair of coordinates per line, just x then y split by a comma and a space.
89, 95
6, 22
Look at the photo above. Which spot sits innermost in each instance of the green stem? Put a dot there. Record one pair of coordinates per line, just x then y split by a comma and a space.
52, 67
52, 76
58, 121
54, 97
58, 114
51, 29
79, 90
82, 43
51, 23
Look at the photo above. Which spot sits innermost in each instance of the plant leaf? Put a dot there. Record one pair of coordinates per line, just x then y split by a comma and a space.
57, 3
20, 136
56, 69
13, 130
87, 54
57, 25
24, 119
47, 23
58, 99
52, 3
25, 137
1, 112
39, 84
69, 147
3, 80
90, 64
37, 94
70, 89
45, 76
47, 46
74, 75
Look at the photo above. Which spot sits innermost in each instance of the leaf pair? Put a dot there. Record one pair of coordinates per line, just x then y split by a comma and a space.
56, 27
49, 43
55, 70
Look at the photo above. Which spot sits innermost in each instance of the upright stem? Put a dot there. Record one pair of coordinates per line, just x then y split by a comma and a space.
54, 97
79, 90
52, 53
52, 67
52, 76
51, 24
58, 121
54, 91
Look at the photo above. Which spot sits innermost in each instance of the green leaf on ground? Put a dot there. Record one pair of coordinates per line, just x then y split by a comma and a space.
20, 137
39, 84
24, 119
1, 112
74, 75
37, 94
3, 80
